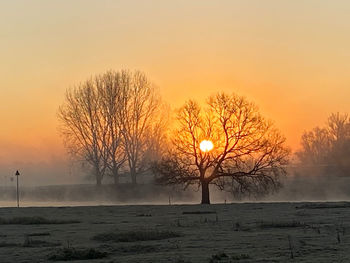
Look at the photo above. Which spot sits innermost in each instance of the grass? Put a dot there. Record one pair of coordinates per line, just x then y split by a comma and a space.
34, 220
28, 242
69, 254
144, 215
39, 234
198, 212
236, 226
326, 205
181, 260
223, 257
218, 257
240, 256
5, 244
287, 224
133, 236
137, 249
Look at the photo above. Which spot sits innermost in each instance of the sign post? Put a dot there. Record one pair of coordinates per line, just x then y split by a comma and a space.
17, 174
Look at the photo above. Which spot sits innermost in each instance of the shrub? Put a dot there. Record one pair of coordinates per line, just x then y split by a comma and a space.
34, 220
132, 236
198, 212
282, 224
68, 254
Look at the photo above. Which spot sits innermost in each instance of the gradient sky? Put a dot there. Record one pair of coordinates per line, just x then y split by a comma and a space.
290, 57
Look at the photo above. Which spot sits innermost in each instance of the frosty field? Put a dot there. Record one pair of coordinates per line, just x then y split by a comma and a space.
242, 232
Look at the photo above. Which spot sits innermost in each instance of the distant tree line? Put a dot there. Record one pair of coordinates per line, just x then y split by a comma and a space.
117, 123
326, 150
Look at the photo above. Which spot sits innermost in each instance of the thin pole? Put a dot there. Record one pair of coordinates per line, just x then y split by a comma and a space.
17, 193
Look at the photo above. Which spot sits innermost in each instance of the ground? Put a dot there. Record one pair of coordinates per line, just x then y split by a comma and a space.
242, 232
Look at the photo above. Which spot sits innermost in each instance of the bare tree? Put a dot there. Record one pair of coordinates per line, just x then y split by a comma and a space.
113, 119
339, 127
316, 146
140, 105
248, 154
326, 150
82, 126
109, 87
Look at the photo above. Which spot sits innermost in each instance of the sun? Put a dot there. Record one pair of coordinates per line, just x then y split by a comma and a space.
206, 146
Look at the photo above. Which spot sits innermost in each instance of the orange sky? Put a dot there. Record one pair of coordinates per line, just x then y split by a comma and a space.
291, 57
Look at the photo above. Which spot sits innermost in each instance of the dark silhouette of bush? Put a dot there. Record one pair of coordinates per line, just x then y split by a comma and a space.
132, 236
34, 220
68, 254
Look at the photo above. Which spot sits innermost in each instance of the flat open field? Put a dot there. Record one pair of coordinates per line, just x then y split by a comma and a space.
246, 232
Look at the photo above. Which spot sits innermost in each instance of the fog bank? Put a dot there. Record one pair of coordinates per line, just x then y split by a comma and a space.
295, 189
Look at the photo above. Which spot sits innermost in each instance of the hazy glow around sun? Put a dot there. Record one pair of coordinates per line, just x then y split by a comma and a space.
206, 146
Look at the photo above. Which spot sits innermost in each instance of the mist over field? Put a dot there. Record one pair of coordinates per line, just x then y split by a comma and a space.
152, 131
75, 192
59, 181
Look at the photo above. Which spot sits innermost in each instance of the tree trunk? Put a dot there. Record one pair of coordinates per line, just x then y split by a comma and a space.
98, 180
133, 176
116, 178
205, 192
98, 176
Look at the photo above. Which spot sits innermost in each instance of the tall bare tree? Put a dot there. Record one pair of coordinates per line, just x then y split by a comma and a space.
113, 122
140, 106
109, 87
248, 154
82, 126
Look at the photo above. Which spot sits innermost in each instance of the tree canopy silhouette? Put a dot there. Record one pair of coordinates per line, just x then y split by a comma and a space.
112, 121
326, 150
249, 154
